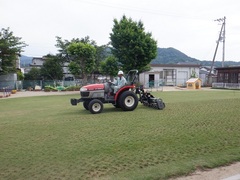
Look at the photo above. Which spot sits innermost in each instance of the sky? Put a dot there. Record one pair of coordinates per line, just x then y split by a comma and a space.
186, 25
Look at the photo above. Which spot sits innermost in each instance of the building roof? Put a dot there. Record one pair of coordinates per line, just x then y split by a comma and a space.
192, 80
226, 68
175, 65
37, 61
203, 72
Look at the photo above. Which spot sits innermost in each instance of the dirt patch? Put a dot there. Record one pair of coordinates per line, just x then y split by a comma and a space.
39, 93
231, 172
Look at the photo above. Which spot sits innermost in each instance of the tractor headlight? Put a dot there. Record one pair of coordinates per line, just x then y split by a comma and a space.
83, 89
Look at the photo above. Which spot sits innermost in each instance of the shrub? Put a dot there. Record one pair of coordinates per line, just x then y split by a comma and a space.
49, 88
73, 88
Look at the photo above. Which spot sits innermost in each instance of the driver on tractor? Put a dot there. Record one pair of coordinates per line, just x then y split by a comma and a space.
120, 82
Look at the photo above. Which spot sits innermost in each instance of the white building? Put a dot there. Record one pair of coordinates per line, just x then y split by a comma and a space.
38, 62
169, 74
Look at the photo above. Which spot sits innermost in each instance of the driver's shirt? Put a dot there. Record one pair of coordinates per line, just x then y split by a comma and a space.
121, 82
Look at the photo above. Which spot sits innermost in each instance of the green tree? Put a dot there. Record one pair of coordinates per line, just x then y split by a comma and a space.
52, 68
62, 46
10, 48
101, 55
33, 74
74, 68
20, 75
133, 47
110, 66
83, 54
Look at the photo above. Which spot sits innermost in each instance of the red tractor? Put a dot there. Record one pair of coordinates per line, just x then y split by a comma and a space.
94, 96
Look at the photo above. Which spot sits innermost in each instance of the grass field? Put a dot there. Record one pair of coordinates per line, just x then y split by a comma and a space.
47, 138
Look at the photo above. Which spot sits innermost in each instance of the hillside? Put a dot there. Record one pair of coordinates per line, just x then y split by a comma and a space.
174, 56
25, 61
164, 56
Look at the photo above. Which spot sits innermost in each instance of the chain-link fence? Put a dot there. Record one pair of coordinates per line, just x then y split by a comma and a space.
32, 84
158, 85
5, 91
226, 85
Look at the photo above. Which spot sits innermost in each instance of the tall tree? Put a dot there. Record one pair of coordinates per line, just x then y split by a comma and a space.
75, 69
10, 48
33, 74
62, 46
101, 54
110, 66
52, 68
133, 47
83, 54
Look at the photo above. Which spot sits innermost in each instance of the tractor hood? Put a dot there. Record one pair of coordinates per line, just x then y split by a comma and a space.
92, 87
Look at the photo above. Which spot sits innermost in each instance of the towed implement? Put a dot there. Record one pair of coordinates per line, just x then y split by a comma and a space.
149, 100
127, 97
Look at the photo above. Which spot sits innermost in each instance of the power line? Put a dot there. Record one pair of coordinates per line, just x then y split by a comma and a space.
142, 10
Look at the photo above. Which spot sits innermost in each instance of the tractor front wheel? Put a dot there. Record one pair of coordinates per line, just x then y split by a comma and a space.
95, 106
128, 101
85, 104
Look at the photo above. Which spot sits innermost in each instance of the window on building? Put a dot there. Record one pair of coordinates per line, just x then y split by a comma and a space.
161, 75
220, 77
233, 77
225, 78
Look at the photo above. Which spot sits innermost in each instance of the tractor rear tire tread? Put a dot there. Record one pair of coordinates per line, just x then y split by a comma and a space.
128, 101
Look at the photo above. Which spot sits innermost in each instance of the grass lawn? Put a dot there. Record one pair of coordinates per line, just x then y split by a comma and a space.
47, 138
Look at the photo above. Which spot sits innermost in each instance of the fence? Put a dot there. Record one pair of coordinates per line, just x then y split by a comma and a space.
6, 87
226, 85
5, 92
30, 85
158, 85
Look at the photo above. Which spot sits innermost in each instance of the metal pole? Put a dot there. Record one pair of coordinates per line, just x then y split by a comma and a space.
223, 37
215, 53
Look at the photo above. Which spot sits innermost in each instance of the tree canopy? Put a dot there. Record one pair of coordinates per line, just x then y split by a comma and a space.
33, 74
52, 68
76, 59
83, 54
10, 48
109, 66
133, 47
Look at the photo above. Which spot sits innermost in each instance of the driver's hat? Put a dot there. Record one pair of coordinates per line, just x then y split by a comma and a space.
120, 72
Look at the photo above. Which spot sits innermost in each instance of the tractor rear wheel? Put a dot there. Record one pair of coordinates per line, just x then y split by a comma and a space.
128, 101
95, 106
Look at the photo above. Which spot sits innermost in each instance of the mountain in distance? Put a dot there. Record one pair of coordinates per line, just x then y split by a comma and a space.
25, 61
164, 56
174, 56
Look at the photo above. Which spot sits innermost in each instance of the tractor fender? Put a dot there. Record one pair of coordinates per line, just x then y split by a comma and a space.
123, 89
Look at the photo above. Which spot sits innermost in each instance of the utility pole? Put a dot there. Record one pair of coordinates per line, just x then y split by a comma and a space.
221, 38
